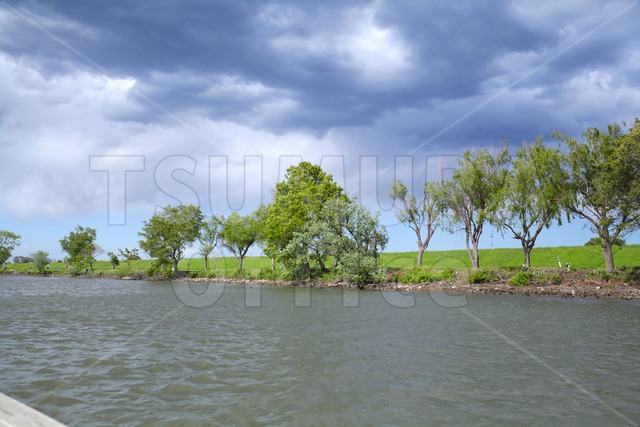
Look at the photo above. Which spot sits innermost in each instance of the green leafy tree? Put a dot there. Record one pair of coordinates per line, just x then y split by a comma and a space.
169, 233
239, 233
208, 239
113, 259
474, 194
304, 191
8, 242
40, 260
80, 246
533, 196
604, 173
129, 254
421, 216
342, 232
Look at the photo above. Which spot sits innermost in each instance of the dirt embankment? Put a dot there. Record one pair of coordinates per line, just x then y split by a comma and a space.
576, 284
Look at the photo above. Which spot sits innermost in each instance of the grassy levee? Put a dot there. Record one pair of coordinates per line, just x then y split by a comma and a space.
579, 257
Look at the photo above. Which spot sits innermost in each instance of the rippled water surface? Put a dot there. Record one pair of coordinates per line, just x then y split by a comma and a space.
104, 352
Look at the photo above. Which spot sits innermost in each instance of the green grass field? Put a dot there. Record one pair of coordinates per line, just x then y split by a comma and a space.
577, 256
580, 257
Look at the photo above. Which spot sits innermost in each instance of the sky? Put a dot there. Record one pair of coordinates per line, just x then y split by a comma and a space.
111, 110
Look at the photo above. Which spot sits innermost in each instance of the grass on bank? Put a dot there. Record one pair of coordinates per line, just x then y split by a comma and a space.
437, 265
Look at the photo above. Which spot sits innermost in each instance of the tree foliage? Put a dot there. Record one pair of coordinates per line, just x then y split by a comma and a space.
238, 233
8, 242
343, 233
129, 254
533, 195
80, 247
40, 260
474, 194
421, 216
169, 233
113, 259
604, 173
208, 239
304, 191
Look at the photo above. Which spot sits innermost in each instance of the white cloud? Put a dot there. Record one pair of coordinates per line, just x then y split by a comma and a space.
354, 41
52, 125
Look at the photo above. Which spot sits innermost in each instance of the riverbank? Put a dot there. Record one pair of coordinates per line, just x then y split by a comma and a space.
576, 287
578, 283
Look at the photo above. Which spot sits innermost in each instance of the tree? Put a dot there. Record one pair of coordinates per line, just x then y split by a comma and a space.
304, 190
344, 232
604, 173
238, 233
208, 238
168, 233
113, 258
420, 215
474, 194
95, 251
40, 260
80, 246
533, 196
8, 242
129, 254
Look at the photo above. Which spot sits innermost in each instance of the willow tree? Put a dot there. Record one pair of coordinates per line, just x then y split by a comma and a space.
533, 195
604, 172
473, 195
208, 239
421, 215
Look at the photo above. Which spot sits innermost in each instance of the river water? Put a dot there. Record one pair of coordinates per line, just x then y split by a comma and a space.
106, 352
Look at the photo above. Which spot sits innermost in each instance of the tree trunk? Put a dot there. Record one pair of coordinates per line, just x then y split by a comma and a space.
527, 255
476, 255
607, 252
421, 249
273, 263
206, 263
473, 255
175, 266
240, 262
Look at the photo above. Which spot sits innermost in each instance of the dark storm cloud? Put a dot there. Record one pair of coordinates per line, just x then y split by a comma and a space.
319, 65
451, 47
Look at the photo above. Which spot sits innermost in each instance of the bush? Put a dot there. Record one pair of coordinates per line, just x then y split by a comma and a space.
267, 274
418, 275
240, 274
604, 275
127, 270
482, 276
520, 279
632, 276
151, 271
288, 275
361, 268
76, 270
555, 279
